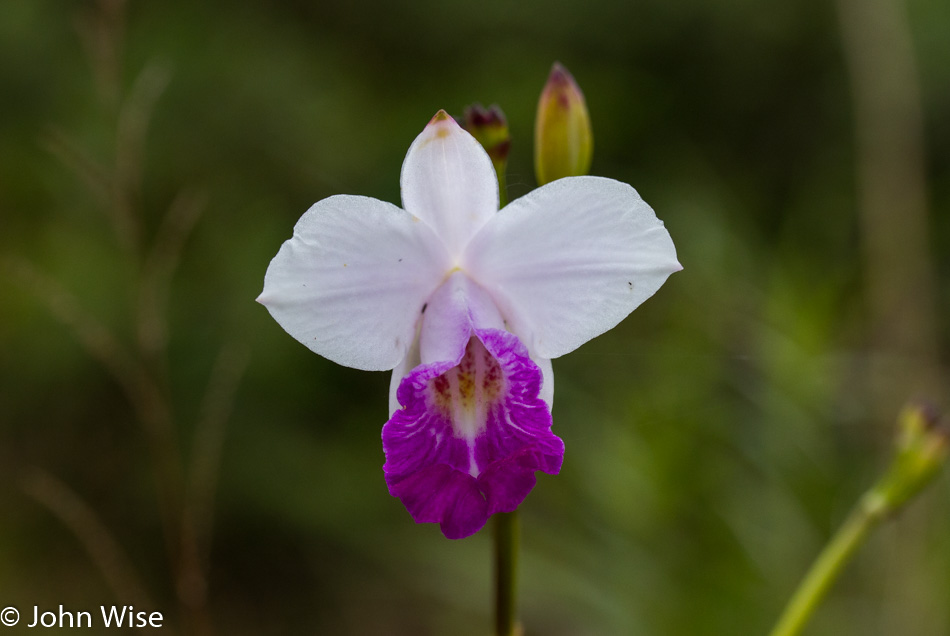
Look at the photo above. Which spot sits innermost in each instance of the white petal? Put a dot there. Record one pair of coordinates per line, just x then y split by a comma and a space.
570, 260
457, 306
547, 379
448, 181
446, 324
405, 366
448, 317
351, 283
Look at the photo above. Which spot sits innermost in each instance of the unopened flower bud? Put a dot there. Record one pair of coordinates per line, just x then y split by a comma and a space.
923, 444
490, 128
563, 141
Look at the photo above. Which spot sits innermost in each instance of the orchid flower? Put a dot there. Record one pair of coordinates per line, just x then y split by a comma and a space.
467, 305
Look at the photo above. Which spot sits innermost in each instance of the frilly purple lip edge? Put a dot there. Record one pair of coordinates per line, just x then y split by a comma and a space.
458, 473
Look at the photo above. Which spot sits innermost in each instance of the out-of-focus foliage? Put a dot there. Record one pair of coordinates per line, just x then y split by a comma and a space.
714, 440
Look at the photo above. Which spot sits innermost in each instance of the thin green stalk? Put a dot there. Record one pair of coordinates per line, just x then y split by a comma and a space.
506, 565
502, 187
826, 569
923, 444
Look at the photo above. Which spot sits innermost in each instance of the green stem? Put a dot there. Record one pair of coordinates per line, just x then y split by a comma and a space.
502, 185
506, 523
506, 563
827, 567
923, 445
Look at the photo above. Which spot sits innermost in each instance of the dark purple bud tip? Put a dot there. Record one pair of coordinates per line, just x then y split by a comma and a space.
560, 77
928, 416
477, 116
929, 413
490, 128
921, 423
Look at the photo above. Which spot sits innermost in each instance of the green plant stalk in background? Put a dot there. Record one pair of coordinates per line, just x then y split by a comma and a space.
922, 447
506, 565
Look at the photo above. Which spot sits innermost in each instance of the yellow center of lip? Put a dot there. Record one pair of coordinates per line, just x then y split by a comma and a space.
465, 393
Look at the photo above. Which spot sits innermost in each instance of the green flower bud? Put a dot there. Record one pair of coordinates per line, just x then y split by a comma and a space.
490, 128
563, 141
923, 444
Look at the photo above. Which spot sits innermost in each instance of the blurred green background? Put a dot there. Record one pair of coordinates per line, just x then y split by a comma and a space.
799, 154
